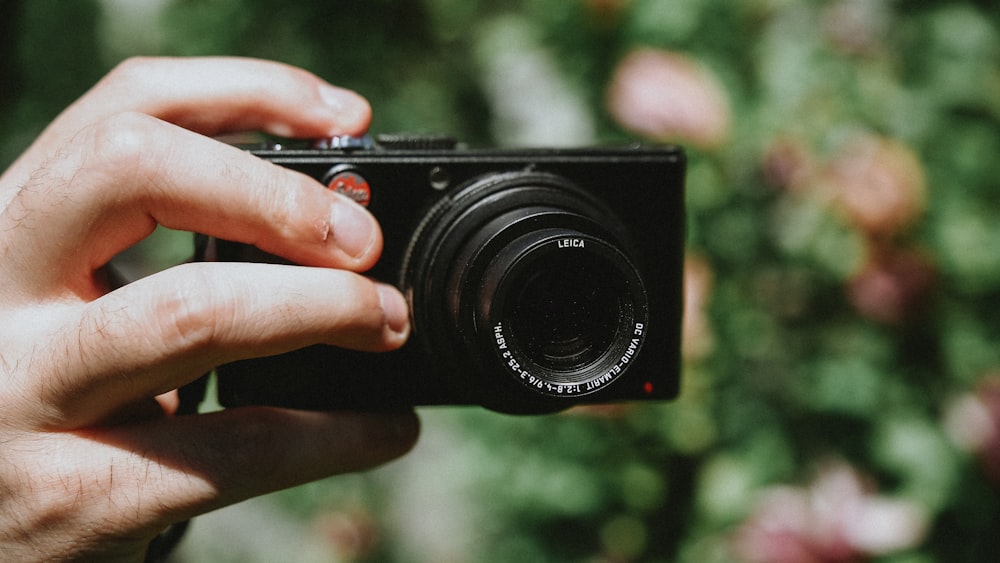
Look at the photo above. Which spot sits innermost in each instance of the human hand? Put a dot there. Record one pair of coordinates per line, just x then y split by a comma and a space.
93, 460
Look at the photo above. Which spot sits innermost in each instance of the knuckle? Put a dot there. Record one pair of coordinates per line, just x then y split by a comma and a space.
111, 150
130, 70
280, 196
292, 198
122, 141
127, 72
295, 209
186, 318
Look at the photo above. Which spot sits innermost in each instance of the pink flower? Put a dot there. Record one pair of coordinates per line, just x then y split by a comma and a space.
351, 534
856, 26
973, 424
878, 183
893, 286
668, 96
698, 340
836, 519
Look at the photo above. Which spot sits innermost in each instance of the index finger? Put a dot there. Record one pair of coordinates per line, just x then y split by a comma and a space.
209, 95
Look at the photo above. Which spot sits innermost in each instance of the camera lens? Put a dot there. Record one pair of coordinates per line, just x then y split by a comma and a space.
565, 314
560, 307
529, 279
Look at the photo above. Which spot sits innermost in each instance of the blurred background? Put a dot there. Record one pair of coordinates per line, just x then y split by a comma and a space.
841, 394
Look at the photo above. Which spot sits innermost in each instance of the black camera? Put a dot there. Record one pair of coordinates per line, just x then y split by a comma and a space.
537, 279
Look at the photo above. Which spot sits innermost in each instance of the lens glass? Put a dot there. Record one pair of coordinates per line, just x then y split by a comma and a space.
567, 312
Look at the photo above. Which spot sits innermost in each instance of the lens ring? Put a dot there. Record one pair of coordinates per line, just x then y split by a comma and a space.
567, 312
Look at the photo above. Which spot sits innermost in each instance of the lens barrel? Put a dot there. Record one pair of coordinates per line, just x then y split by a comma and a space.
560, 308
531, 279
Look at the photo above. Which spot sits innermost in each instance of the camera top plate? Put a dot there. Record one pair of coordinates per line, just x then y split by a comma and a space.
421, 145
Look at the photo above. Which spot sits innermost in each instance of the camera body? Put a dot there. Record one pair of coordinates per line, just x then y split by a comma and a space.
537, 279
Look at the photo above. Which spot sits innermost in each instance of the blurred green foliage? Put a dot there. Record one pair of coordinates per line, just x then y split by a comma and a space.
846, 228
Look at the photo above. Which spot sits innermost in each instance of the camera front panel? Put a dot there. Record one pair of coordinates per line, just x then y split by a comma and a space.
537, 280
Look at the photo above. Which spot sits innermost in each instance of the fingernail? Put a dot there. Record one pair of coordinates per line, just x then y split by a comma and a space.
351, 110
397, 314
354, 229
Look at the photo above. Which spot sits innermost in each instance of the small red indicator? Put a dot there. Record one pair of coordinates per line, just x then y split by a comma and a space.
353, 185
648, 387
